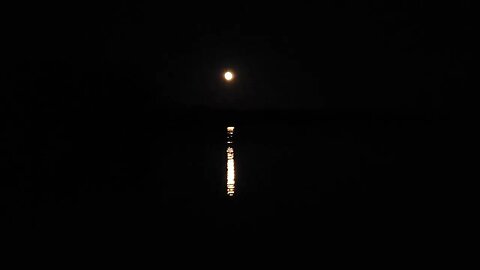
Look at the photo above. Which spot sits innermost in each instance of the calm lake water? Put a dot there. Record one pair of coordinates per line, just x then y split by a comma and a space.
222, 175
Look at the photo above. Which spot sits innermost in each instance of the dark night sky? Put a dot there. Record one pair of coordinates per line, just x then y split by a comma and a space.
302, 56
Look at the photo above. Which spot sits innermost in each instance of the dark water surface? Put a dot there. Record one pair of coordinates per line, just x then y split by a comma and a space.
170, 176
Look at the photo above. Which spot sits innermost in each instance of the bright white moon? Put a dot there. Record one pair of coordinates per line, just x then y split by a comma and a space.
228, 76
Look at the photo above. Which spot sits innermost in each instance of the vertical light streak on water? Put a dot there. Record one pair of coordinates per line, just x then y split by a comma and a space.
230, 163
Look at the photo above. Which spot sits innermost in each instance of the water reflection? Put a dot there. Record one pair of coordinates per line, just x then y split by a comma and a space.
230, 163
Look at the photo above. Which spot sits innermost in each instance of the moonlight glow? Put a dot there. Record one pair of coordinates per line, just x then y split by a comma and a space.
230, 163
228, 76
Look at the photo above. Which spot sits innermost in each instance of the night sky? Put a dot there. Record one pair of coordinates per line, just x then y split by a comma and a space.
104, 101
344, 54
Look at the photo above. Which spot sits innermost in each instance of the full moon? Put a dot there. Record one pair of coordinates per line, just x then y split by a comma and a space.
228, 76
